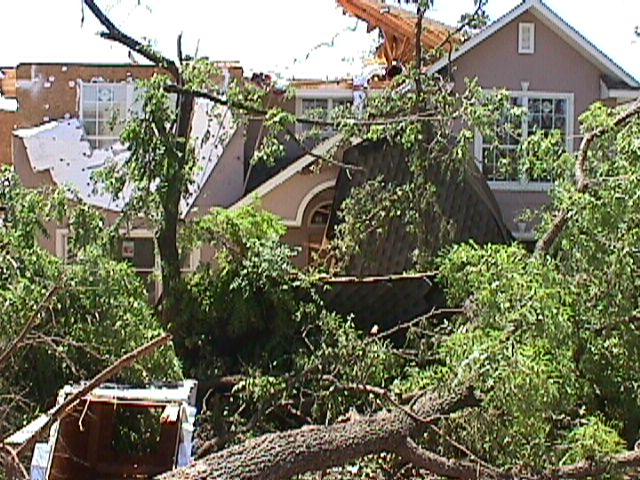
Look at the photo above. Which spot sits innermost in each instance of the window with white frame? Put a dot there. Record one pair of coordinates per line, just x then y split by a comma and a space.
526, 38
543, 112
104, 109
320, 215
320, 107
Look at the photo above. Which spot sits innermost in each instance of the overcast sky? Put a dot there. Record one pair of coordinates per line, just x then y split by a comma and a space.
265, 35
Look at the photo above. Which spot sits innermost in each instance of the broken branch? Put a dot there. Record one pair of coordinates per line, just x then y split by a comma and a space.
582, 179
115, 34
261, 112
31, 321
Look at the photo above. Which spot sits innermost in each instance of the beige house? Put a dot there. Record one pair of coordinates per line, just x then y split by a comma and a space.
549, 68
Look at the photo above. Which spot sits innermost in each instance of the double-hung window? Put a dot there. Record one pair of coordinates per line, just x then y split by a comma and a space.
104, 109
544, 112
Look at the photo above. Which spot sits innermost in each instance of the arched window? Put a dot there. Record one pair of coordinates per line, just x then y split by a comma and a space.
320, 216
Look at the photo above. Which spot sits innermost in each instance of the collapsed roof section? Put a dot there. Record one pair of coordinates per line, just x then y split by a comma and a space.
398, 27
464, 201
62, 149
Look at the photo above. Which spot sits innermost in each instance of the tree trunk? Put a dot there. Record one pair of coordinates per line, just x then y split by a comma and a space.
282, 455
167, 236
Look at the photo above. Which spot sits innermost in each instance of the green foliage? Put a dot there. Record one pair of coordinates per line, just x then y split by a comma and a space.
516, 343
99, 314
593, 440
243, 304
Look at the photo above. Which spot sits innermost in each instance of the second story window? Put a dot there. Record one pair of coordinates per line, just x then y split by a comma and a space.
319, 105
543, 112
103, 110
526, 38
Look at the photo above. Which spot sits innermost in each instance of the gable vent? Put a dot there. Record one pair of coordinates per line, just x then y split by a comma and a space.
526, 38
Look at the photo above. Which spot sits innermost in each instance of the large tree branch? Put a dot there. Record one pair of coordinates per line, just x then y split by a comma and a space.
582, 179
280, 456
592, 469
411, 452
115, 34
262, 112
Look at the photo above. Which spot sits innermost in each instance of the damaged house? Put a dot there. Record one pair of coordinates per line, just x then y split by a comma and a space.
548, 68
62, 131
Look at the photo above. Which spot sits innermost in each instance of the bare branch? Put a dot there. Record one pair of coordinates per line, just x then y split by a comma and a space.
33, 318
380, 278
443, 312
261, 112
12, 465
115, 34
421, 458
419, 19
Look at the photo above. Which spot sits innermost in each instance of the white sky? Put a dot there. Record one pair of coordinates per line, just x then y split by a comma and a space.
266, 35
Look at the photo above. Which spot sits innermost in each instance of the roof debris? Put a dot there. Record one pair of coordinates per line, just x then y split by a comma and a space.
116, 432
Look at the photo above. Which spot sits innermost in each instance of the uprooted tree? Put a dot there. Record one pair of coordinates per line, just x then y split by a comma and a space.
532, 376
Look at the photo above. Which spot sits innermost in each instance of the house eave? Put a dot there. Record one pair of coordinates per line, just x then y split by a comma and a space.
288, 172
619, 94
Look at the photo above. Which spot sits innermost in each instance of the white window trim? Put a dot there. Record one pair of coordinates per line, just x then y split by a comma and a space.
522, 26
320, 205
130, 101
329, 94
524, 185
61, 248
311, 194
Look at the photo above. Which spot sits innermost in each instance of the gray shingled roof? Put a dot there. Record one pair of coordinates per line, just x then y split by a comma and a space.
465, 199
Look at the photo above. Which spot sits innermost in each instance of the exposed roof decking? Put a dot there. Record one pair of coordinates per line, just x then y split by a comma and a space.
399, 28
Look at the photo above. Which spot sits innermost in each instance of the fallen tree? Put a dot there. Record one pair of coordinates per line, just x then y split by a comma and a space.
549, 341
279, 456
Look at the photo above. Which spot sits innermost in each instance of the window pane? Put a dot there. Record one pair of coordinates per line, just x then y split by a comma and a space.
105, 94
90, 127
104, 129
105, 111
547, 121
89, 93
120, 93
90, 110
140, 252
535, 105
314, 104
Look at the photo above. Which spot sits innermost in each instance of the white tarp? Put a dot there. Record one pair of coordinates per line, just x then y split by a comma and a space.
61, 148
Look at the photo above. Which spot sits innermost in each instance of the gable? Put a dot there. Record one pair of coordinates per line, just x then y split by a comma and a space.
537, 11
554, 65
